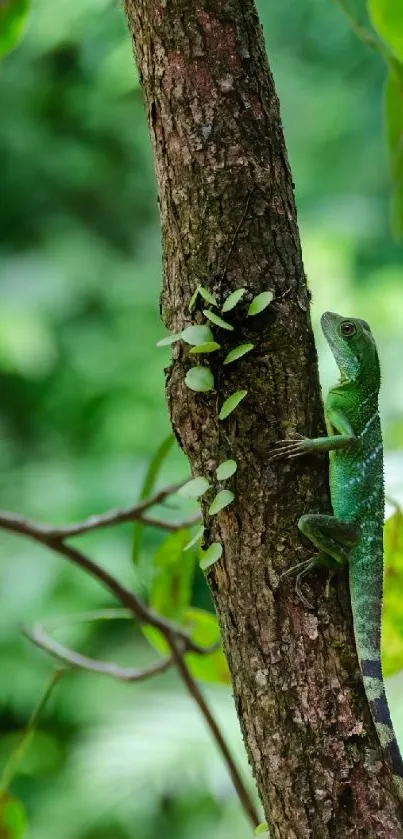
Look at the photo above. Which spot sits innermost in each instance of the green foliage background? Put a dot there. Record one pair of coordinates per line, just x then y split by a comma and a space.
81, 387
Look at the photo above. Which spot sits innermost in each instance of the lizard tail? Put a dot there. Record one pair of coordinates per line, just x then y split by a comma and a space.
378, 703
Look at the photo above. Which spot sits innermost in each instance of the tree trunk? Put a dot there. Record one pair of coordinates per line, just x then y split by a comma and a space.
228, 220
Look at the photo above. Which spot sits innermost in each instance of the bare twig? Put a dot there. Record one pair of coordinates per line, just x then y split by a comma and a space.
41, 639
196, 694
172, 526
142, 613
109, 519
177, 639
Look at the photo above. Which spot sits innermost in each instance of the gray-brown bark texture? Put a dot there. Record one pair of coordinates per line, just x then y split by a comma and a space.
228, 220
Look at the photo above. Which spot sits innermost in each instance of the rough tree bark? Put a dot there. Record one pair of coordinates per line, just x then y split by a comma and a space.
228, 220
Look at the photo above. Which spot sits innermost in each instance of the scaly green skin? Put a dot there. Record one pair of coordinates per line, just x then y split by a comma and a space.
355, 533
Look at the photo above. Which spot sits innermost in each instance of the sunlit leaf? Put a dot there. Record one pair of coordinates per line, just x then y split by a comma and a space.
196, 538
217, 320
222, 499
232, 299
173, 572
194, 488
231, 403
211, 555
392, 633
211, 346
193, 299
387, 19
260, 302
169, 339
261, 828
238, 352
147, 488
207, 295
197, 335
200, 379
13, 14
226, 469
204, 630
13, 820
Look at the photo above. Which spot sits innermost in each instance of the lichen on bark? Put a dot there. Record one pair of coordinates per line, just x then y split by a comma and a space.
228, 220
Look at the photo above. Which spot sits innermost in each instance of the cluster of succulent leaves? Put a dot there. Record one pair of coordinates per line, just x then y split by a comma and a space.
203, 342
200, 379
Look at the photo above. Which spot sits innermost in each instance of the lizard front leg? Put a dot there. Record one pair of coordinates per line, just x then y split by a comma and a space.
341, 436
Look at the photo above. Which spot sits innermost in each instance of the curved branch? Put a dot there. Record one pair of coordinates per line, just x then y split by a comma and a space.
108, 519
41, 639
142, 613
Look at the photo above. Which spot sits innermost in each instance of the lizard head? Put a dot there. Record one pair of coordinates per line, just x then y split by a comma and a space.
353, 347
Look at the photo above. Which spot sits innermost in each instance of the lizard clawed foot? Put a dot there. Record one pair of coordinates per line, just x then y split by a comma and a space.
306, 567
290, 447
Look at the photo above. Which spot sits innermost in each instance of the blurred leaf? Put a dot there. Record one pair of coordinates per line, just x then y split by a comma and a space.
231, 403
169, 339
393, 110
261, 828
260, 302
147, 488
217, 320
232, 299
173, 572
196, 538
211, 555
392, 635
13, 14
194, 488
27, 345
200, 379
207, 295
204, 630
222, 499
197, 335
211, 346
193, 299
13, 820
226, 469
387, 18
238, 352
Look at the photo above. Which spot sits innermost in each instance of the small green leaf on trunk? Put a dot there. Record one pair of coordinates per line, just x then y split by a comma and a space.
222, 499
218, 321
169, 339
231, 403
261, 828
226, 469
207, 295
260, 302
192, 301
238, 352
194, 488
200, 379
196, 335
210, 346
213, 552
233, 299
196, 538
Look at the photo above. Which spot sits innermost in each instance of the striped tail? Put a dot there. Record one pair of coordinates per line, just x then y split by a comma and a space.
378, 703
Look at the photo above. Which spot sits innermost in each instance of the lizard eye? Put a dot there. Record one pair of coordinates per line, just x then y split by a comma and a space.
347, 328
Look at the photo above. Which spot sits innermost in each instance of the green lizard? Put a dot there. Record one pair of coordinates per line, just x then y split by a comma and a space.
354, 534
